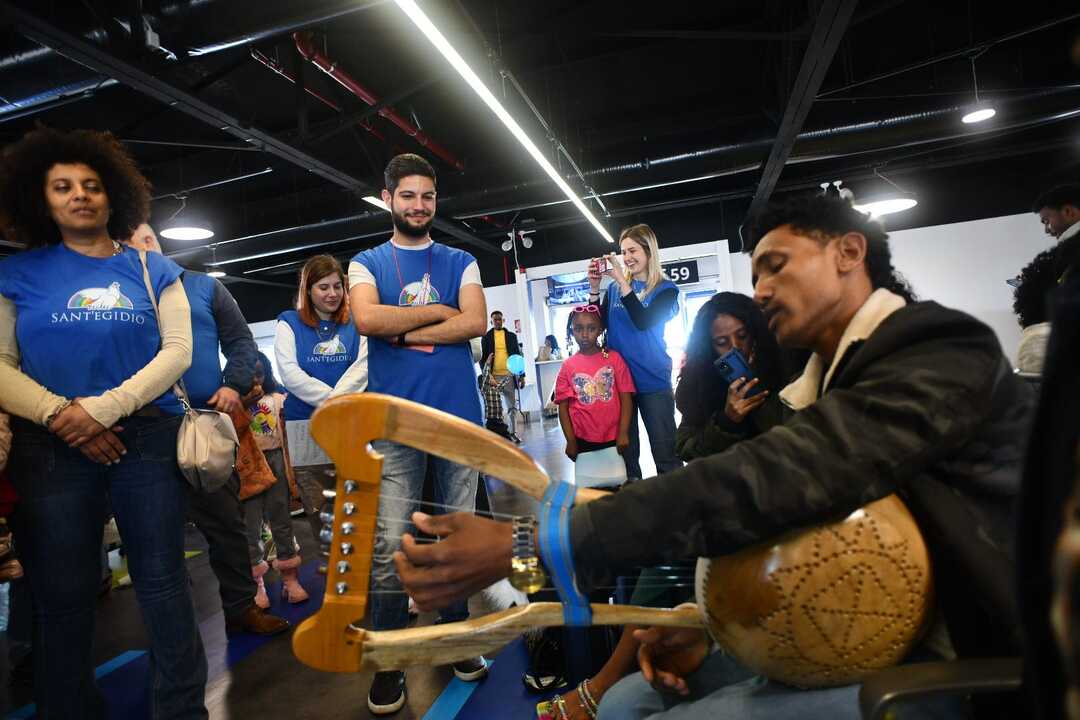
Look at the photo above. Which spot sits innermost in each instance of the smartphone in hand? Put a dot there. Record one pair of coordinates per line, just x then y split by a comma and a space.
602, 264
732, 365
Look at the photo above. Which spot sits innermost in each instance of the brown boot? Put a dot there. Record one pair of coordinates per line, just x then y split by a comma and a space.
290, 582
257, 622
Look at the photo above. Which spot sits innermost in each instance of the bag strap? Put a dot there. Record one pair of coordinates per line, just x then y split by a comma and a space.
178, 388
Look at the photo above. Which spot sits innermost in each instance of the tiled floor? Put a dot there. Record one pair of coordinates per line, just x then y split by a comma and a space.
250, 679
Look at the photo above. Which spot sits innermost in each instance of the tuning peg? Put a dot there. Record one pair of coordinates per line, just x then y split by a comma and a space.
348, 508
346, 548
326, 535
341, 588
329, 494
350, 486
343, 567
347, 528
327, 516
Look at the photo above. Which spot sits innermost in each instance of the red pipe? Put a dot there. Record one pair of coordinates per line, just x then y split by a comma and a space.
308, 51
276, 67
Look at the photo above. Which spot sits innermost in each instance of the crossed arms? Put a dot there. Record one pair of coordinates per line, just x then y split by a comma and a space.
421, 324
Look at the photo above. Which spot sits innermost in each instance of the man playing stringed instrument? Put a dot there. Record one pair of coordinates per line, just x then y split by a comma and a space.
899, 397
419, 303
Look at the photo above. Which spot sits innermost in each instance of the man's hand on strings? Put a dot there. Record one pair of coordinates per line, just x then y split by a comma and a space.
473, 552
667, 656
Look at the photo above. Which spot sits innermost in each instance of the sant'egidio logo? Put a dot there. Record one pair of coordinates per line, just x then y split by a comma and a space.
333, 346
108, 298
99, 303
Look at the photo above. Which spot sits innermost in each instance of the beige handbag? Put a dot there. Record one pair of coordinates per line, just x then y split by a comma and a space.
206, 443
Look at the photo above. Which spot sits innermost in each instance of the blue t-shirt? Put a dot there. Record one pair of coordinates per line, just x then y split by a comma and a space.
324, 353
203, 378
84, 325
643, 350
441, 377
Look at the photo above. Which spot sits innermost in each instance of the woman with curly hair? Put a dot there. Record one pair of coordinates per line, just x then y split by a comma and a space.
715, 414
86, 368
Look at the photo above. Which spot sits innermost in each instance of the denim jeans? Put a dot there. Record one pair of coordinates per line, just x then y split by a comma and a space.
722, 689
403, 474
220, 518
272, 506
658, 411
60, 520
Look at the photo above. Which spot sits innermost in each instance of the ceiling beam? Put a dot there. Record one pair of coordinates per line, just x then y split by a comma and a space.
832, 22
90, 55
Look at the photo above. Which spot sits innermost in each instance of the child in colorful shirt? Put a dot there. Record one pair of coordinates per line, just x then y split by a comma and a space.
593, 390
271, 505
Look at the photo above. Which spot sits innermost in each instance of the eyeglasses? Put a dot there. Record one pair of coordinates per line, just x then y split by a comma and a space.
587, 309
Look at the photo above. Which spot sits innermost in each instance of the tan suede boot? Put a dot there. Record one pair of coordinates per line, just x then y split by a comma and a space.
291, 588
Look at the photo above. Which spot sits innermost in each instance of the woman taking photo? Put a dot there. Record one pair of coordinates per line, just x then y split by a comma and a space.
318, 354
636, 306
715, 414
87, 375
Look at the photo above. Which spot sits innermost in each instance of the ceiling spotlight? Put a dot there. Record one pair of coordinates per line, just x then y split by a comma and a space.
507, 245
980, 111
186, 224
887, 206
979, 115
526, 241
214, 272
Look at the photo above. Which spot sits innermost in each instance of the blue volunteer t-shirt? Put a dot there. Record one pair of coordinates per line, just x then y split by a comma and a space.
84, 325
643, 350
324, 353
441, 377
203, 378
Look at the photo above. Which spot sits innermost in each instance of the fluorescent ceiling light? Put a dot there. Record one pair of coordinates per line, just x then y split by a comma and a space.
458, 63
187, 232
216, 273
979, 115
372, 200
888, 206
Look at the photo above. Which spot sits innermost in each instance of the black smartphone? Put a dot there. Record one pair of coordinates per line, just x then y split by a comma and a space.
732, 366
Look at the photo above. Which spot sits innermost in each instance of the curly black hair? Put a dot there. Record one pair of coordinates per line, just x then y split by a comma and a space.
701, 391
1036, 281
26, 163
828, 216
269, 383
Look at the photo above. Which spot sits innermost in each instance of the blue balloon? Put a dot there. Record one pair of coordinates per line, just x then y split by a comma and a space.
515, 364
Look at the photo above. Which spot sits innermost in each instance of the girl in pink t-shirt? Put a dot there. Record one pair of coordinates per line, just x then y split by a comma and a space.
593, 390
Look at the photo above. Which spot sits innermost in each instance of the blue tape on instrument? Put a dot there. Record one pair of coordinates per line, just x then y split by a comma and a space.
554, 536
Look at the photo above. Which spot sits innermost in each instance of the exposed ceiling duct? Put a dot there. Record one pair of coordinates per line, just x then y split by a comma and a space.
713, 161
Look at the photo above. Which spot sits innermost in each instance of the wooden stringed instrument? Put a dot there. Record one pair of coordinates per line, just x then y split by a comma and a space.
731, 591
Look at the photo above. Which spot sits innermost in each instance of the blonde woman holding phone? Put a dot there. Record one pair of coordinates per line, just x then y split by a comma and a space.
636, 306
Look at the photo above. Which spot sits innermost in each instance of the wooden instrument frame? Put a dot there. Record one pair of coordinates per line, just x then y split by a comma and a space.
330, 640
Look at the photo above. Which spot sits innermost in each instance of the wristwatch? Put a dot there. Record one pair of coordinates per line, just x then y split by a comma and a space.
526, 573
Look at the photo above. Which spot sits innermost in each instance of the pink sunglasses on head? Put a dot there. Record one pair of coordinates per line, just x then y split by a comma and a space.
587, 309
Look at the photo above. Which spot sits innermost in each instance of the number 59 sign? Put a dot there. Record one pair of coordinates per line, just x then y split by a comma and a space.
681, 273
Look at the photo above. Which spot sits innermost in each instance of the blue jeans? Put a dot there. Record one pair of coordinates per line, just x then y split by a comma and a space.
403, 474
722, 689
60, 520
658, 411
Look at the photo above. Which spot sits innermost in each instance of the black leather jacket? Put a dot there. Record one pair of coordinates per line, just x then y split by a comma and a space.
927, 406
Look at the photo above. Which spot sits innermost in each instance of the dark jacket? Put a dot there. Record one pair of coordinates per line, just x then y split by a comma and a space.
927, 406
719, 433
487, 345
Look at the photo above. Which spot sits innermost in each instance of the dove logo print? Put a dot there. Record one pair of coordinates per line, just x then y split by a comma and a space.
333, 346
97, 303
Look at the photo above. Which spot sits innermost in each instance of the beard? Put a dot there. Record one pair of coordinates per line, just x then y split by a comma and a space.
403, 226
